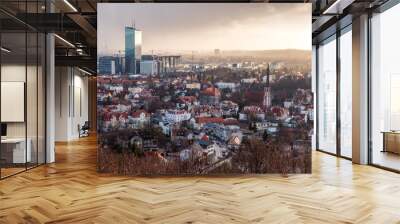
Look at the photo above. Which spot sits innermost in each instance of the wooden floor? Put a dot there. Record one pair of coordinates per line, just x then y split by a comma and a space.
70, 191
5, 172
387, 159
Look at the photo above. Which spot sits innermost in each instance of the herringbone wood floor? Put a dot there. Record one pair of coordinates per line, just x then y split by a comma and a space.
70, 191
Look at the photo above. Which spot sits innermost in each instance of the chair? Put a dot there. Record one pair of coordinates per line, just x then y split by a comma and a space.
84, 130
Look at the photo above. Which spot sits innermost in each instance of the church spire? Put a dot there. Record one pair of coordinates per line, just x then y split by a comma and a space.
267, 81
267, 99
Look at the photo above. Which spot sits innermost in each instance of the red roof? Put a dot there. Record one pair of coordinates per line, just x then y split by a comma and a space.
278, 111
231, 121
205, 138
137, 113
212, 91
187, 99
123, 115
255, 96
204, 120
107, 116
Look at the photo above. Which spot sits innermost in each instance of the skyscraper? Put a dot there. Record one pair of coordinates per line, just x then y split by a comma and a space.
133, 50
107, 65
149, 65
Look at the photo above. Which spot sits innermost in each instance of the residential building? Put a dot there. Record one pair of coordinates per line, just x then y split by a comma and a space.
176, 116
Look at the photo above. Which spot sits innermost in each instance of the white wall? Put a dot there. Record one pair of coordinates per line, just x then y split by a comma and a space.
71, 102
16, 73
62, 107
11, 73
33, 126
80, 111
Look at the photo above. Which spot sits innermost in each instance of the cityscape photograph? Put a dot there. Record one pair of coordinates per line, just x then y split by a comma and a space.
201, 89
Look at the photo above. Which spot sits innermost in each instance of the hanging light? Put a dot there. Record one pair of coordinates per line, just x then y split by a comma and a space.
70, 5
64, 40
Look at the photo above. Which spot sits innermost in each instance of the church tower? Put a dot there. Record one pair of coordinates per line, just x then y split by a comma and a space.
267, 99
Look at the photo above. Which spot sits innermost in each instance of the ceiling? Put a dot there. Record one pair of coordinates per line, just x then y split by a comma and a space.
75, 21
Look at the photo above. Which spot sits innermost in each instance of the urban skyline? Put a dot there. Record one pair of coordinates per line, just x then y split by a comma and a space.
227, 27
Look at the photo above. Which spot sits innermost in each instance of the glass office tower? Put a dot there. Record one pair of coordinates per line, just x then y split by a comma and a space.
133, 50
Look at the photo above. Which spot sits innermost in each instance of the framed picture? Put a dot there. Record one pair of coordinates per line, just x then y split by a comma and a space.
200, 89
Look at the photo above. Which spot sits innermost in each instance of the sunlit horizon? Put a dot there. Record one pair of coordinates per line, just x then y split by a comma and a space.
185, 28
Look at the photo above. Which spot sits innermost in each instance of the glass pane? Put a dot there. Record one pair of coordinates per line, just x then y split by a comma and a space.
314, 86
13, 86
327, 97
31, 98
346, 94
385, 86
23, 90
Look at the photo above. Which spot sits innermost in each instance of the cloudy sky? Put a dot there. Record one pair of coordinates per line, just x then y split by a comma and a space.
203, 27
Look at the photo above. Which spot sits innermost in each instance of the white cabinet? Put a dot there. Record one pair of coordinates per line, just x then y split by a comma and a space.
19, 155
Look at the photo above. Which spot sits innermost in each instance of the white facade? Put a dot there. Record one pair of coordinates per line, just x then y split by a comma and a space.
242, 116
249, 80
226, 85
287, 104
177, 115
140, 119
148, 67
193, 86
71, 103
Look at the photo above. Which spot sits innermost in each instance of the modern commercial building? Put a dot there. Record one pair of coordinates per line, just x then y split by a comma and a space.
149, 65
107, 65
133, 50
48, 100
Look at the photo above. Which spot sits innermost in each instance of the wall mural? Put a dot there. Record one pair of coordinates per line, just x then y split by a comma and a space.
197, 89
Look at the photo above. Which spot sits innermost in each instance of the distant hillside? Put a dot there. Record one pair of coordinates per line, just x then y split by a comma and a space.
288, 55
273, 53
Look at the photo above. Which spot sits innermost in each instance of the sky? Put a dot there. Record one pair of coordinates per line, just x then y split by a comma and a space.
201, 27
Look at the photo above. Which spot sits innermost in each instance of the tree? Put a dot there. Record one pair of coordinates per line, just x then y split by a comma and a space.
154, 105
252, 156
265, 135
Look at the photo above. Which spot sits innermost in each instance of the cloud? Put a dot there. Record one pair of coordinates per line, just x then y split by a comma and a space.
205, 26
